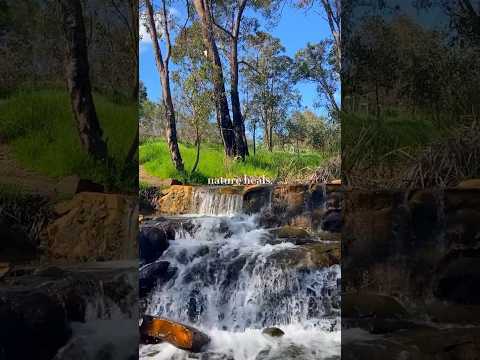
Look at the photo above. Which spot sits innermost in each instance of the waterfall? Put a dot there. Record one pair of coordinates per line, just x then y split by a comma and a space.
232, 280
213, 201
109, 329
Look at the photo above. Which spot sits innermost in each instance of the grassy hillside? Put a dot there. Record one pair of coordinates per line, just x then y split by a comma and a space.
275, 165
40, 129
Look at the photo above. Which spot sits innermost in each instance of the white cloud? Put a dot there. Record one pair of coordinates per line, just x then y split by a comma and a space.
145, 38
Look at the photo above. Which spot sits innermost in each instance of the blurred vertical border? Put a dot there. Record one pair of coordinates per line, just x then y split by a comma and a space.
411, 170
68, 179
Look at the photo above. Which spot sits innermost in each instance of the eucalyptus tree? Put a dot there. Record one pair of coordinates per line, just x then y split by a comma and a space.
332, 11
204, 12
270, 76
192, 77
78, 80
315, 63
159, 25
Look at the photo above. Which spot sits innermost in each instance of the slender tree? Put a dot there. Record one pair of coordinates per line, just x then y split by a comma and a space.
203, 9
163, 69
78, 80
232, 31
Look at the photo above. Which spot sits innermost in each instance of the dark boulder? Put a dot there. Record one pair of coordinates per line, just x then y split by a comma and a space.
273, 331
150, 275
255, 198
153, 242
34, 325
332, 221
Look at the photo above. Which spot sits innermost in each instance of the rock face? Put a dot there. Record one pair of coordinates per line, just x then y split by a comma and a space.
314, 207
420, 248
314, 255
256, 197
153, 241
94, 226
177, 200
154, 329
37, 308
34, 319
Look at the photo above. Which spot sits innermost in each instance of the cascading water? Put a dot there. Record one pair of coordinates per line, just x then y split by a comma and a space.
108, 328
231, 279
212, 201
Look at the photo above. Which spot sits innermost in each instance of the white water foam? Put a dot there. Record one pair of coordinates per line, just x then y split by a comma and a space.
232, 281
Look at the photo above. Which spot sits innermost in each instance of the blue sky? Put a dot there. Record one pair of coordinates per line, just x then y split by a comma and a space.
295, 28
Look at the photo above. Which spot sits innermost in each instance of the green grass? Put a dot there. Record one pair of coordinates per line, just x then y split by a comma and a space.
39, 126
275, 165
390, 139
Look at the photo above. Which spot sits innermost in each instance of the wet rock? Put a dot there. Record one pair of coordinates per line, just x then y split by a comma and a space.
291, 351
179, 335
315, 255
94, 226
363, 304
214, 356
152, 241
75, 349
34, 325
418, 344
50, 271
273, 331
459, 277
256, 197
292, 232
463, 227
332, 221
4, 269
450, 313
152, 274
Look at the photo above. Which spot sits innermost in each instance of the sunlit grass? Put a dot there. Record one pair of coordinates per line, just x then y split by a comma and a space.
155, 158
40, 128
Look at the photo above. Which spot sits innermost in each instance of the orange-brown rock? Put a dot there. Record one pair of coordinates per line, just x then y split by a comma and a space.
4, 269
469, 184
94, 226
179, 335
177, 200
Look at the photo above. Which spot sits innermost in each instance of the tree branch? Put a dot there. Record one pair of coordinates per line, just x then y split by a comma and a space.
243, 62
167, 34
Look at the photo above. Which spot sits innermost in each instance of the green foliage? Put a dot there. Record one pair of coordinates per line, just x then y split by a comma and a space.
40, 127
155, 157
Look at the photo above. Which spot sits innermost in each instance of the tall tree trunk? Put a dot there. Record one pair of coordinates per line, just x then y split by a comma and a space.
78, 80
254, 145
171, 129
197, 141
238, 123
162, 65
270, 136
221, 104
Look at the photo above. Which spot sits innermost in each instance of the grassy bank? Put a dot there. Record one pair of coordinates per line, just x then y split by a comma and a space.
40, 129
277, 165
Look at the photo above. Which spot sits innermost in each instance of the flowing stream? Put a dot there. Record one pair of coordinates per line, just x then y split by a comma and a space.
231, 279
